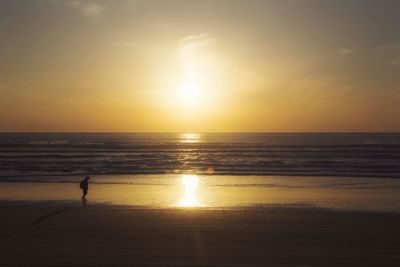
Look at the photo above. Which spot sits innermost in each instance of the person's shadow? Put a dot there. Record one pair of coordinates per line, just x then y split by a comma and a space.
84, 203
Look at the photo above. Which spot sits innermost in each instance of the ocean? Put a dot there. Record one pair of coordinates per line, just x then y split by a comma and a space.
51, 155
219, 170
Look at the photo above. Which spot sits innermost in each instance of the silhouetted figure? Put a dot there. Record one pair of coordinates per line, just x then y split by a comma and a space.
85, 187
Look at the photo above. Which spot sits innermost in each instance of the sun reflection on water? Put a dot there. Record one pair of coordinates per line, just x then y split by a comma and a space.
190, 199
190, 138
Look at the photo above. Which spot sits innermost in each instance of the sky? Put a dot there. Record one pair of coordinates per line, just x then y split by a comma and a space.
199, 66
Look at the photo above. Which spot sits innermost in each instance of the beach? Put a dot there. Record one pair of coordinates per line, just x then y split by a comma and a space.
191, 221
200, 200
101, 235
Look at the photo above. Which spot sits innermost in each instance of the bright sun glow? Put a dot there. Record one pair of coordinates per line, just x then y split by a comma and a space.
190, 183
194, 71
190, 92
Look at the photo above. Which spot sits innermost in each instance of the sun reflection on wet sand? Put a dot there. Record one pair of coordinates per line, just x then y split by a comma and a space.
190, 199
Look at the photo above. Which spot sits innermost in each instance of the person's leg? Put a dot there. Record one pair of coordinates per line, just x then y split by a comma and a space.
84, 194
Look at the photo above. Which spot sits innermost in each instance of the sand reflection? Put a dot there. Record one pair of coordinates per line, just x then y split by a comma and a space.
190, 184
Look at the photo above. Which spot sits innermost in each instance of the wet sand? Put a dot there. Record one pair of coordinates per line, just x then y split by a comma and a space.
95, 235
169, 191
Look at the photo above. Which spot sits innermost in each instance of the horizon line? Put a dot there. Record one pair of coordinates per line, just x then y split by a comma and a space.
194, 132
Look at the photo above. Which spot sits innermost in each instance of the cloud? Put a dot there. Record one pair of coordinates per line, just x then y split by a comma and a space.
159, 26
390, 46
391, 53
346, 51
124, 44
136, 2
199, 40
87, 8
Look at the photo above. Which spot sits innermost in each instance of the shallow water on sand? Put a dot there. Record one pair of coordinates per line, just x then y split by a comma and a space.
197, 191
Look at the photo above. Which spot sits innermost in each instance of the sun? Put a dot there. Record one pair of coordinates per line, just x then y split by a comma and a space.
190, 93
193, 73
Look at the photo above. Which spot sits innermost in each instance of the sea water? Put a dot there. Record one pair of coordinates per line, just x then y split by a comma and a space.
23, 156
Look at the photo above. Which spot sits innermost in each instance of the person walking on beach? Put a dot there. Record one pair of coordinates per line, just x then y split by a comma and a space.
84, 185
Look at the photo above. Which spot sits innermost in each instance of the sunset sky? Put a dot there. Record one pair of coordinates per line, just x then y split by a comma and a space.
199, 66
